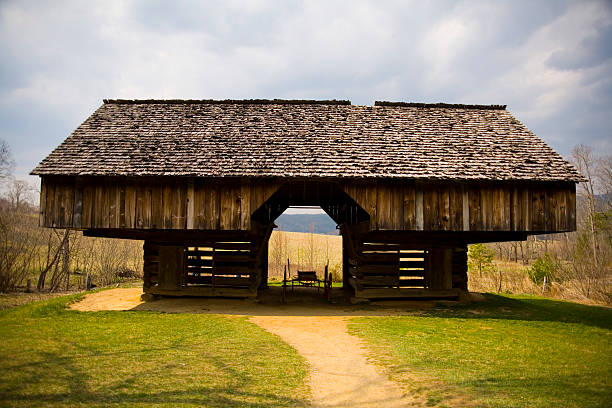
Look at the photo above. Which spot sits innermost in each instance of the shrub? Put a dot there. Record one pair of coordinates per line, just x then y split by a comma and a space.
480, 259
543, 268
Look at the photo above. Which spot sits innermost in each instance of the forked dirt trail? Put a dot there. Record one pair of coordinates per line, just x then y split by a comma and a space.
340, 373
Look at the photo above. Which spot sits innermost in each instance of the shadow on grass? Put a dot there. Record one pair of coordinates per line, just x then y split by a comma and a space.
198, 396
55, 371
527, 309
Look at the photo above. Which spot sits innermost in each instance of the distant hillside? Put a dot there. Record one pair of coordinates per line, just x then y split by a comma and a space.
321, 223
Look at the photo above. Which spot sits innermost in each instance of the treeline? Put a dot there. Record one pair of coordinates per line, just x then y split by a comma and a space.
576, 265
48, 260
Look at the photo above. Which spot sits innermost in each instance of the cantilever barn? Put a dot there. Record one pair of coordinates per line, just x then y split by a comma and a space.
201, 182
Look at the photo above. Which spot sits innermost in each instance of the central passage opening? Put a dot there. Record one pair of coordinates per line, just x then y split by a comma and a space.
306, 239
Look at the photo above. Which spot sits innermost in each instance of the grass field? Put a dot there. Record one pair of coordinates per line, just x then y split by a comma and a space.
50, 356
506, 352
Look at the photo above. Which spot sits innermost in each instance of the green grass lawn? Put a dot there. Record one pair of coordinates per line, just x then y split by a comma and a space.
50, 356
506, 352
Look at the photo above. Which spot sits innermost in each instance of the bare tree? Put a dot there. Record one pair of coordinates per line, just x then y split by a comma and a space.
582, 157
603, 174
7, 164
20, 194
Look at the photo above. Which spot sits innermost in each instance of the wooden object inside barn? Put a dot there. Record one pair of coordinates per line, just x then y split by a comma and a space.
410, 186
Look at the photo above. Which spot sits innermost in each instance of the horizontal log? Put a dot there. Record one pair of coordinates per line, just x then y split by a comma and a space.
378, 257
242, 246
380, 280
375, 270
232, 270
220, 280
380, 247
204, 291
412, 283
406, 293
414, 272
199, 252
237, 257
199, 262
412, 255
412, 264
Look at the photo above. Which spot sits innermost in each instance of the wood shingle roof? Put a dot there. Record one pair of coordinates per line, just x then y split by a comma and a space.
274, 138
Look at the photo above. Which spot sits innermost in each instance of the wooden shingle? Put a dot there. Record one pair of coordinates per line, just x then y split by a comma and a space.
325, 139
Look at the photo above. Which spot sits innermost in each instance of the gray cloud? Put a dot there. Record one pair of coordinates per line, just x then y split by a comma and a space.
549, 61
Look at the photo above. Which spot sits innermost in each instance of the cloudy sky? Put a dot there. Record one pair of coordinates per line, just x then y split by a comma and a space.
549, 61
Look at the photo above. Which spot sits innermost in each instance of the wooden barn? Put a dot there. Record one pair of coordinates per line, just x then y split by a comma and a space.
410, 186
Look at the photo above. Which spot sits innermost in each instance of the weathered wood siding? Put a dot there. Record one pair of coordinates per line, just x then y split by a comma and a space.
533, 207
172, 204
209, 204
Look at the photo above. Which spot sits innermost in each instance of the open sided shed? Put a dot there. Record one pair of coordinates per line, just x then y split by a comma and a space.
202, 181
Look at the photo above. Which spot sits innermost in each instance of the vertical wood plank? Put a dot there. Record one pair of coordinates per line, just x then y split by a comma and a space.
147, 207
98, 206
409, 222
506, 204
43, 203
139, 208
571, 207
465, 208
371, 194
68, 203
550, 209
212, 206
444, 208
562, 202
538, 200
167, 205
111, 192
245, 204
200, 204
431, 212
514, 209
360, 196
130, 206
455, 207
235, 206
476, 223
419, 210
122, 205
59, 205
157, 202
383, 207
225, 219
50, 205
397, 206
526, 215
88, 195
190, 205
176, 204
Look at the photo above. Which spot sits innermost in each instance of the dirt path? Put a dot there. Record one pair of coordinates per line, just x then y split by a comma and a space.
340, 373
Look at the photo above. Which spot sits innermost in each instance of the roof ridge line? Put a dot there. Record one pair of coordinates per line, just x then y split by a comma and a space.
226, 102
438, 105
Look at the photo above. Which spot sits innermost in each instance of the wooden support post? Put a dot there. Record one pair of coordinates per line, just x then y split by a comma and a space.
285, 285
459, 268
264, 266
346, 287
171, 266
439, 275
